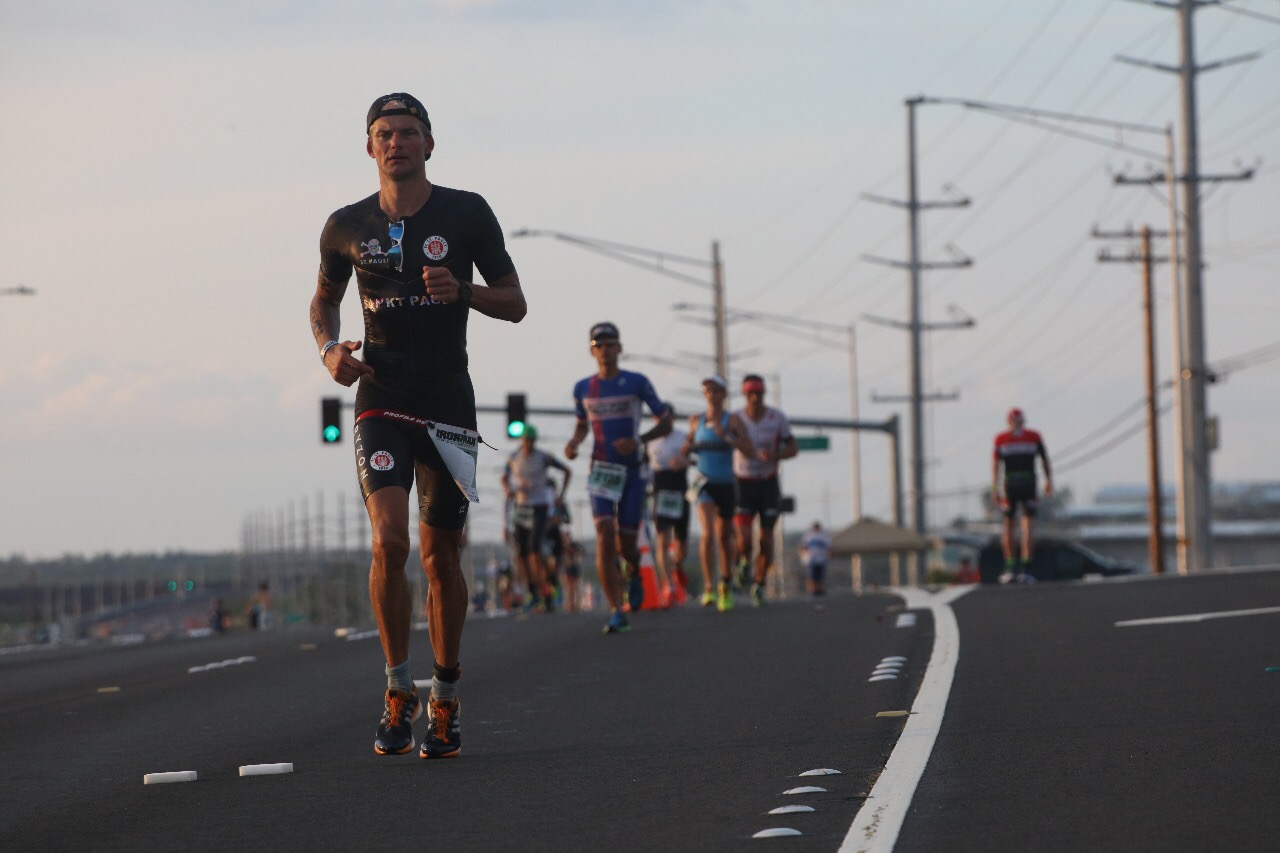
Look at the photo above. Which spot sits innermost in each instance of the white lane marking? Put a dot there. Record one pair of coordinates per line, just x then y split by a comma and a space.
265, 769
791, 810
776, 833
805, 789
824, 771
875, 828
1196, 617
165, 778
883, 677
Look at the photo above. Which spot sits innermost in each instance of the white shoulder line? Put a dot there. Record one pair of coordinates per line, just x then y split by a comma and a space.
1196, 617
876, 826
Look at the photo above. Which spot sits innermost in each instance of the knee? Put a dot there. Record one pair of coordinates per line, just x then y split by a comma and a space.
390, 549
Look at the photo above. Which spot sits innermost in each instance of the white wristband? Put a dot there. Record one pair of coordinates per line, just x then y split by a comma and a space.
324, 350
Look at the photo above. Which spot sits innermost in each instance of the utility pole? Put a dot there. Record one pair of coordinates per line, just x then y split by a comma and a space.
914, 326
1195, 541
1155, 513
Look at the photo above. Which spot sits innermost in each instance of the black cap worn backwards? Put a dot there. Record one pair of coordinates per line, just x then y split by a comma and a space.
604, 332
397, 104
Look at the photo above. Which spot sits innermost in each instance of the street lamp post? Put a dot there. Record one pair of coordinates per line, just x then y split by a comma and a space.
656, 261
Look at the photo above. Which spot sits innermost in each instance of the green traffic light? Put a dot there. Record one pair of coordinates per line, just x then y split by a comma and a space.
332, 433
172, 586
515, 429
189, 585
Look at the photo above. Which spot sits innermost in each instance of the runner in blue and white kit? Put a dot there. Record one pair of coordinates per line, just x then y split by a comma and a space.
609, 406
713, 436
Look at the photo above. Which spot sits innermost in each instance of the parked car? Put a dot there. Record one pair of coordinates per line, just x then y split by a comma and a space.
1053, 560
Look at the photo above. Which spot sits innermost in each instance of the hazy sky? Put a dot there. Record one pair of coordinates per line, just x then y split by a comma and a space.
167, 168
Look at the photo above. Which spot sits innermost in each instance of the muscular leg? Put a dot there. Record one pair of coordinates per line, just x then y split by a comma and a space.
712, 529
1006, 538
728, 538
1027, 542
764, 560
607, 561
389, 594
630, 549
447, 599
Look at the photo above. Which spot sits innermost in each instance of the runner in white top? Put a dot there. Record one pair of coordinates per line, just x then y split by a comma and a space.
815, 548
670, 469
756, 477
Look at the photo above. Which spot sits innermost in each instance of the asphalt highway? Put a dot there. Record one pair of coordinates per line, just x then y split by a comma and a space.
1063, 731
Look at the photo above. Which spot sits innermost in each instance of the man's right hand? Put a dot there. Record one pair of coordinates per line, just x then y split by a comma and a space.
571, 451
345, 369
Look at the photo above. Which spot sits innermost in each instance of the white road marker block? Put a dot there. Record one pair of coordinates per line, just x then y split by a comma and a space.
265, 769
805, 789
164, 778
824, 771
779, 832
790, 809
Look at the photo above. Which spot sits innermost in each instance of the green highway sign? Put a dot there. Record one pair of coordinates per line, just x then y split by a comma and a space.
813, 442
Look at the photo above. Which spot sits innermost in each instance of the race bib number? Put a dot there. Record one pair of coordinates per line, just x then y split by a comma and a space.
669, 504
523, 516
607, 480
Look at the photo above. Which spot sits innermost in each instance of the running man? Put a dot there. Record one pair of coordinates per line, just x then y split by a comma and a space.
670, 468
415, 406
713, 437
1017, 450
609, 405
524, 482
756, 476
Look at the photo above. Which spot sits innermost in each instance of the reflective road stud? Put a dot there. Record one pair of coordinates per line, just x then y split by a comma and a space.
163, 778
776, 833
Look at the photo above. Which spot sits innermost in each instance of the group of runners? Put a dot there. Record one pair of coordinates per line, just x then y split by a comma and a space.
637, 474
414, 248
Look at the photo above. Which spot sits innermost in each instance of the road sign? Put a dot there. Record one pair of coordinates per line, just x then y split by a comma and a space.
813, 442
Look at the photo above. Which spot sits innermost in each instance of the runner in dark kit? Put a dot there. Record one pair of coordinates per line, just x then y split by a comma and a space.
413, 247
1016, 451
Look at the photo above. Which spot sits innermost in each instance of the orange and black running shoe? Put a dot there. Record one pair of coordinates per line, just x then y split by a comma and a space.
395, 731
444, 733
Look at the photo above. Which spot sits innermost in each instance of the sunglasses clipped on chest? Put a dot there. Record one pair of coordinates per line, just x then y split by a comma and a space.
395, 254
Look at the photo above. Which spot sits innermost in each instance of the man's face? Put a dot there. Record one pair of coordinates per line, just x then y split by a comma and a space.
606, 352
754, 398
399, 145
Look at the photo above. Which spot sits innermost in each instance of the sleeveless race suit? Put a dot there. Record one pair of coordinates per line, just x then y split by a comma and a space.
613, 408
715, 464
417, 347
757, 480
1017, 450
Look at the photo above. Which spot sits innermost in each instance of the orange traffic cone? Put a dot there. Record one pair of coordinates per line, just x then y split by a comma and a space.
654, 598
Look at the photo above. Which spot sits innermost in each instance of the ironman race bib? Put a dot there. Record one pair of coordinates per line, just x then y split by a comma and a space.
607, 480
458, 448
669, 504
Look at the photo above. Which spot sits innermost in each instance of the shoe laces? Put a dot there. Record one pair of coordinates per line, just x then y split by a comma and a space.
397, 708
441, 714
